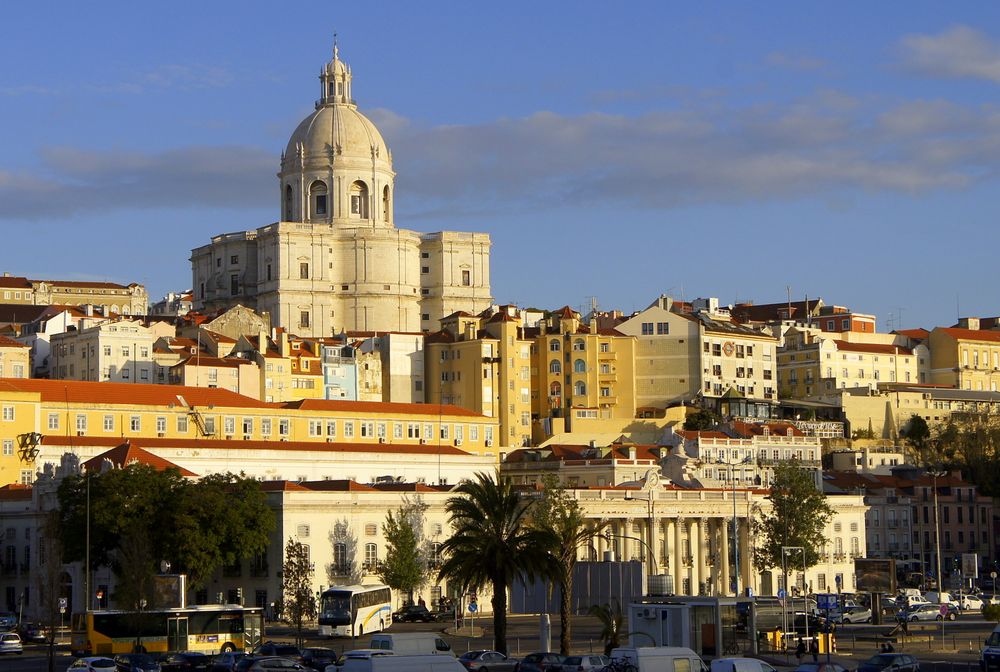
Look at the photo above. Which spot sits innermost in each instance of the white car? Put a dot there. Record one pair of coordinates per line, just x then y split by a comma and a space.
970, 603
92, 664
854, 615
10, 642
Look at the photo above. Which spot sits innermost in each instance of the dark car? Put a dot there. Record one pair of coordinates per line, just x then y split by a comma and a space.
226, 661
279, 649
136, 662
318, 657
820, 667
487, 661
275, 664
413, 613
540, 662
890, 662
32, 632
185, 661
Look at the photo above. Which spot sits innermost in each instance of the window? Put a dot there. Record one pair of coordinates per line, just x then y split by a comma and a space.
234, 284
315, 428
135, 423
647, 328
359, 200
182, 424
265, 426
304, 270
579, 366
304, 318
466, 278
53, 421
579, 345
161, 425
8, 413
371, 555
283, 427
229, 426
445, 432
554, 345
662, 328
555, 366
580, 388
348, 430
318, 197
8, 446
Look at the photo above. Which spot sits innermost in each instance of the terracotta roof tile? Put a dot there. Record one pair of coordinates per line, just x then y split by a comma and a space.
971, 334
878, 348
10, 343
381, 407
131, 394
128, 453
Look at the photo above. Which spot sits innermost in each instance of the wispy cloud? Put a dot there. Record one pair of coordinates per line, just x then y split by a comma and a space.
75, 181
169, 76
959, 52
796, 62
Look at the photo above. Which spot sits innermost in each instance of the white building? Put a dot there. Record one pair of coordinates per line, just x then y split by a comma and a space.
113, 351
336, 261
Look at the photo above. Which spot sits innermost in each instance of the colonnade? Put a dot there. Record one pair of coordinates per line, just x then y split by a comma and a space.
694, 550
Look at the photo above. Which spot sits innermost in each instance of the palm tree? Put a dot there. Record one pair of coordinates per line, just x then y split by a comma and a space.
611, 619
493, 543
560, 517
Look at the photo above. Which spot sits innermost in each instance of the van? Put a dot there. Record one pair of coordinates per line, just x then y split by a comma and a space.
740, 665
425, 662
989, 657
932, 597
411, 643
660, 658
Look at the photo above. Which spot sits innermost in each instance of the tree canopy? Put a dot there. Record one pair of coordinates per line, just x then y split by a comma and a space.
405, 565
493, 543
296, 587
701, 419
199, 526
798, 516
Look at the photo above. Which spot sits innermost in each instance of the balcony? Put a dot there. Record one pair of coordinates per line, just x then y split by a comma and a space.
608, 356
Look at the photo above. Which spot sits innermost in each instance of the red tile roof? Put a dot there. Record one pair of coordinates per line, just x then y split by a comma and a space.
15, 282
875, 348
15, 492
151, 443
380, 407
128, 453
748, 429
971, 334
207, 360
131, 394
916, 334
10, 343
703, 434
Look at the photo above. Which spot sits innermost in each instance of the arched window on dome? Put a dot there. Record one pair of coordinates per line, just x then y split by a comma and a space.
359, 200
288, 203
385, 203
555, 366
579, 388
579, 366
318, 198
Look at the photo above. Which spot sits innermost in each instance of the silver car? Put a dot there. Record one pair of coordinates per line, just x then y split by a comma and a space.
10, 642
584, 663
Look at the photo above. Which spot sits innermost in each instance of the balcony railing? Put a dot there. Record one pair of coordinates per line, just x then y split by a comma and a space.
340, 570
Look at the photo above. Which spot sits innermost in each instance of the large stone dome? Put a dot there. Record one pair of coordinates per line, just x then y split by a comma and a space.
336, 168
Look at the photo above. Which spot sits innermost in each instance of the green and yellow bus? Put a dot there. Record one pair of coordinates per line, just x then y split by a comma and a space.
210, 628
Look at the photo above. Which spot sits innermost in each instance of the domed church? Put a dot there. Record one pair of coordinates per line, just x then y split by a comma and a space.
336, 261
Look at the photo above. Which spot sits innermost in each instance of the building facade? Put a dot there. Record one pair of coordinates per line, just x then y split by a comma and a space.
336, 261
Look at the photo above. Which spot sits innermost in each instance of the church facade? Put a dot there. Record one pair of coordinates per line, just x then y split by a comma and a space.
335, 261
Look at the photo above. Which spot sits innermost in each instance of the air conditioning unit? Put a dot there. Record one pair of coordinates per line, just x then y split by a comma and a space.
247, 437
381, 440
160, 435
80, 433
489, 443
284, 438
423, 442
329, 439
458, 442
229, 437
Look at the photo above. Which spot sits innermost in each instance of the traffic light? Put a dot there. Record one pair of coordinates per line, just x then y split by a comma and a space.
239, 596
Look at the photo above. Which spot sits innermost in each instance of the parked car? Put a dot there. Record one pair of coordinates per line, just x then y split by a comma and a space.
92, 664
279, 649
970, 603
412, 613
318, 657
32, 632
276, 664
540, 662
820, 667
226, 661
487, 661
185, 661
8, 621
890, 662
10, 642
926, 612
585, 663
136, 662
852, 615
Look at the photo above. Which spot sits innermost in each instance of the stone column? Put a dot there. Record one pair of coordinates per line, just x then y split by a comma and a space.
601, 544
724, 558
655, 529
698, 556
747, 572
677, 556
628, 545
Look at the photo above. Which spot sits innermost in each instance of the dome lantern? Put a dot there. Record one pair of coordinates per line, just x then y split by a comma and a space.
335, 80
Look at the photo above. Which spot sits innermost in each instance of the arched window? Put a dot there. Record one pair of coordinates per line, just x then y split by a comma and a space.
318, 198
359, 200
555, 390
579, 345
580, 388
385, 204
579, 366
554, 345
555, 366
288, 203
340, 556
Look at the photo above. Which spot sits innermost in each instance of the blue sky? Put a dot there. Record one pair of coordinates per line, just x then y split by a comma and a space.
847, 151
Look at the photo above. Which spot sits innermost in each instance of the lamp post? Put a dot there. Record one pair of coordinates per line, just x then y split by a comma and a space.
937, 542
805, 597
736, 533
609, 536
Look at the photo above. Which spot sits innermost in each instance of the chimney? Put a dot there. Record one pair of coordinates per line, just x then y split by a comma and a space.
283, 343
89, 308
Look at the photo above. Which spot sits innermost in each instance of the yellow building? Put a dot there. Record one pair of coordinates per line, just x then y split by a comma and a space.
483, 363
813, 365
112, 297
15, 358
966, 357
86, 418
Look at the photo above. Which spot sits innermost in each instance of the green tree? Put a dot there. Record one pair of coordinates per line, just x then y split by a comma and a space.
299, 601
559, 516
493, 543
48, 586
701, 419
135, 567
404, 568
200, 525
612, 620
917, 434
798, 515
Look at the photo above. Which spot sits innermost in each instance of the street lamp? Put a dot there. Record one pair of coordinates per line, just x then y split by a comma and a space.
609, 536
937, 543
784, 569
736, 534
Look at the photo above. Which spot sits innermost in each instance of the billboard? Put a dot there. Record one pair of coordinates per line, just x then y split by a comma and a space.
970, 565
875, 575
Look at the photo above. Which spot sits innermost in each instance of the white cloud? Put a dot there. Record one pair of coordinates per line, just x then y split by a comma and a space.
959, 52
795, 62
